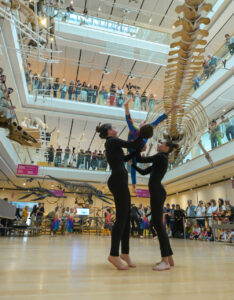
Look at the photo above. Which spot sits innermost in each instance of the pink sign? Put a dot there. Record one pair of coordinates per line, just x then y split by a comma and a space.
27, 170
57, 193
142, 193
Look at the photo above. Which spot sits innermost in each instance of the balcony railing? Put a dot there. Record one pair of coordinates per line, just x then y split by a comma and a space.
113, 27
215, 137
48, 88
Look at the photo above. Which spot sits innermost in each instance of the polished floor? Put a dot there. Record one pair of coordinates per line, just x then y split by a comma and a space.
75, 267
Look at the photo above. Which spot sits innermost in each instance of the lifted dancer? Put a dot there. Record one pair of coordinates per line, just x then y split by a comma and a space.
158, 196
134, 133
118, 185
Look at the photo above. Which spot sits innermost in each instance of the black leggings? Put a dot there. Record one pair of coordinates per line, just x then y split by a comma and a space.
121, 229
151, 227
157, 199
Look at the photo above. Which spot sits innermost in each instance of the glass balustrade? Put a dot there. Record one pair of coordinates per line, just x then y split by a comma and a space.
113, 27
215, 137
214, 62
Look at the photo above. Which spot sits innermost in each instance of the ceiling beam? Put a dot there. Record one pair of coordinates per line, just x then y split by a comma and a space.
152, 79
129, 73
139, 11
69, 138
166, 12
78, 65
103, 73
112, 8
93, 137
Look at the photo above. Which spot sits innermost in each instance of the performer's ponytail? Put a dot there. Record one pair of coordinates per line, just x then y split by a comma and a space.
103, 130
172, 145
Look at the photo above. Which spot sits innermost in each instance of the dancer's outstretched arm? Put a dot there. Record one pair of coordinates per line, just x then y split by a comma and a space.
129, 156
146, 159
143, 171
164, 116
174, 107
129, 120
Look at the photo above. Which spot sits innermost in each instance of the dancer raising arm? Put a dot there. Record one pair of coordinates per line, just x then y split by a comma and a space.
158, 196
134, 133
118, 185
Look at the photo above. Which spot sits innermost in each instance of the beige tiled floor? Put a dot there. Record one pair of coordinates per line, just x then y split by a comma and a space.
46, 268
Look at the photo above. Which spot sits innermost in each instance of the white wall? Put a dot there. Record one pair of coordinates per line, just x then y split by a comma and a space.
220, 190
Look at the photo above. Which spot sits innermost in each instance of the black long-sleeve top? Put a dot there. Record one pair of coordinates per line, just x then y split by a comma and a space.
115, 155
134, 212
157, 170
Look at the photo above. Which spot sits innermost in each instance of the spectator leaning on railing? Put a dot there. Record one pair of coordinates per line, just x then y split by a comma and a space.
191, 211
200, 213
229, 43
228, 127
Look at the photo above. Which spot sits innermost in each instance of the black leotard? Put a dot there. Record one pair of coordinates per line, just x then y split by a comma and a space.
118, 185
157, 195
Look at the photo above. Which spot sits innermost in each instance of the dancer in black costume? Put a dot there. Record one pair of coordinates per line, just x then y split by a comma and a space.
158, 196
118, 185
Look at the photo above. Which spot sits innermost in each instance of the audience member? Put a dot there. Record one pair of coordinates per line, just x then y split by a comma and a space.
228, 127
88, 155
200, 213
229, 43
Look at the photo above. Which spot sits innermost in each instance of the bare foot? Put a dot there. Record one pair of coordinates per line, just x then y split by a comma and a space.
170, 261
127, 258
162, 266
134, 189
117, 262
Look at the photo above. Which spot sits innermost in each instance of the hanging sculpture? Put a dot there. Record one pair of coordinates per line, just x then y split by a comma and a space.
186, 125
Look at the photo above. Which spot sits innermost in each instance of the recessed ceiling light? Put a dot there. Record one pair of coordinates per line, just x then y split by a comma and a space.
150, 20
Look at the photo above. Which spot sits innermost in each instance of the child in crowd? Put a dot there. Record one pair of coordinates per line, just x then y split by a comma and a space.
196, 232
223, 235
188, 230
55, 225
107, 224
203, 234
210, 236
231, 237
70, 222
145, 225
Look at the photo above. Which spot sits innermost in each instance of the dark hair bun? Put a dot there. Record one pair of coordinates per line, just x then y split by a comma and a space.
103, 130
172, 145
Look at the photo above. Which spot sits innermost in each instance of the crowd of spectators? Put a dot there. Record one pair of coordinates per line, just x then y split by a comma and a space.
88, 160
201, 218
35, 215
194, 223
219, 130
83, 92
211, 62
